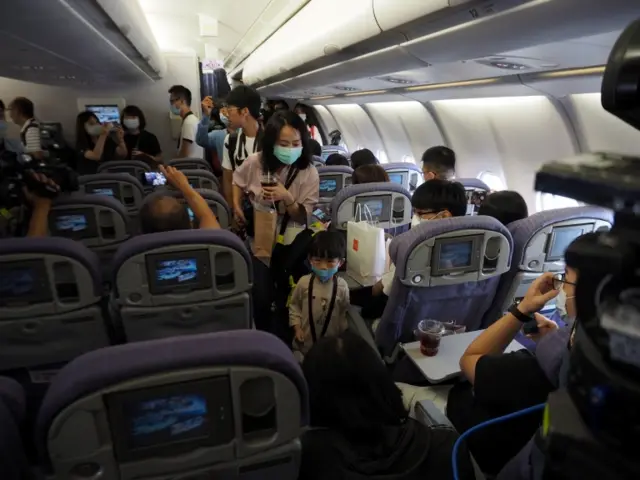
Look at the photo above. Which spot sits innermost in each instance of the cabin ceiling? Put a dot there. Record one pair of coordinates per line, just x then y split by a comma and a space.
576, 53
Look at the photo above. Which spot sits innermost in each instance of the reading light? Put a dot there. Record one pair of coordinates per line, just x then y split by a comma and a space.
573, 72
467, 83
370, 92
325, 97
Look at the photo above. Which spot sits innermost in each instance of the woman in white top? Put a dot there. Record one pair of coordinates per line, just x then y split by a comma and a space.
314, 132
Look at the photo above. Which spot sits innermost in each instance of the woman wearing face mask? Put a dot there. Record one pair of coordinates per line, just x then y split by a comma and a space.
97, 143
141, 144
314, 133
286, 156
9, 140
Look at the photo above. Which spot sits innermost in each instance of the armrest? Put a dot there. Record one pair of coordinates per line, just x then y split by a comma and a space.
428, 414
358, 325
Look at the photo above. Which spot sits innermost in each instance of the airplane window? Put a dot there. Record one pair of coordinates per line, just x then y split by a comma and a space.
548, 201
408, 159
382, 156
493, 181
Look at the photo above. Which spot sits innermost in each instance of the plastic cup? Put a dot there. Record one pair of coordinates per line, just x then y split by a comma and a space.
429, 333
268, 180
451, 328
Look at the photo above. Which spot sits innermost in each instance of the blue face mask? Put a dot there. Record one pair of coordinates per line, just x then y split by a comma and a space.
224, 119
324, 274
175, 110
287, 155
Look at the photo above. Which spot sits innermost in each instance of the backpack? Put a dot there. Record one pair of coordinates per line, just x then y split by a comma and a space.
231, 148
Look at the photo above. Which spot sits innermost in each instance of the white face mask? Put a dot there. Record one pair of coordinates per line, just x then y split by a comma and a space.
131, 123
561, 303
303, 116
416, 220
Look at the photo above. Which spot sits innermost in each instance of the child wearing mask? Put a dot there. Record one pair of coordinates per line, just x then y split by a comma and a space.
320, 300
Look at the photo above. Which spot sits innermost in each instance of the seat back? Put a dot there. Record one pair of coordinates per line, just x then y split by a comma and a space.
202, 179
539, 244
328, 150
476, 191
99, 222
121, 186
409, 175
135, 168
388, 203
190, 164
225, 405
13, 460
446, 270
215, 200
182, 282
333, 179
50, 292
318, 161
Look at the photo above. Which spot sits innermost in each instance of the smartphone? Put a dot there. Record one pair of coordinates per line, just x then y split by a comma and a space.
153, 178
320, 214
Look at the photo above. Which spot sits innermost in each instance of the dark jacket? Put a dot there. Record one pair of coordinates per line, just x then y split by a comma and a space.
410, 452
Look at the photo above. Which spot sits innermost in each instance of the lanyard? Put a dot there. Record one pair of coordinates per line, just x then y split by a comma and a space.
242, 141
332, 303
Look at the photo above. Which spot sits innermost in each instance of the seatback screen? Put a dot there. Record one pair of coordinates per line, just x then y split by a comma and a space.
379, 206
76, 223
105, 113
396, 178
171, 419
330, 185
179, 272
24, 282
455, 255
561, 238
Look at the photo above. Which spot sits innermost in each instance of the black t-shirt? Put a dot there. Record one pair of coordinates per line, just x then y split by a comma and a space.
145, 141
88, 167
503, 384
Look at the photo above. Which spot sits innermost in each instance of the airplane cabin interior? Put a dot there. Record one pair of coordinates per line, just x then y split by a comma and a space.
131, 350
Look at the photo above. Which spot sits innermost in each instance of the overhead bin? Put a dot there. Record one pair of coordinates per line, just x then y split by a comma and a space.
77, 43
325, 32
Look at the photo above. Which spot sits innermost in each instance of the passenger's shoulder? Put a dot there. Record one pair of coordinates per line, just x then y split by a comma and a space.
342, 283
303, 281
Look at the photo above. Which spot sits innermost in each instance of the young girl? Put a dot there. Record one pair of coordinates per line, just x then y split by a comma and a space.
320, 300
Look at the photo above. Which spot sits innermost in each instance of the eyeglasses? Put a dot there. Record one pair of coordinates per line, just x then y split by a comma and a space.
560, 279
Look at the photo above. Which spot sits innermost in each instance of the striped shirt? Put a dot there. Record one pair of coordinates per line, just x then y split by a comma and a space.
31, 136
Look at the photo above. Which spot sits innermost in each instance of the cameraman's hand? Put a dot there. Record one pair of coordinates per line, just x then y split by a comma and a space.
35, 200
175, 177
539, 293
545, 326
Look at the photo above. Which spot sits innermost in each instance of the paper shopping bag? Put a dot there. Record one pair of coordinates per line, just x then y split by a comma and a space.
366, 250
265, 221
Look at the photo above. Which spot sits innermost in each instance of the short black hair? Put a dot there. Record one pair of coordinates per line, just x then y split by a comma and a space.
162, 213
24, 106
506, 206
350, 389
316, 148
337, 159
133, 111
244, 96
281, 103
437, 195
363, 157
369, 174
328, 244
83, 139
2, 105
182, 93
440, 160
272, 129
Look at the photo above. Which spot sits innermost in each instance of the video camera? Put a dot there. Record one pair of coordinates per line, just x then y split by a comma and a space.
592, 427
16, 171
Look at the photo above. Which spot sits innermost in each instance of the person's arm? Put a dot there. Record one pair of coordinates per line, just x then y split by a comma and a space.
228, 189
38, 225
198, 205
152, 151
202, 134
121, 149
33, 144
497, 337
295, 313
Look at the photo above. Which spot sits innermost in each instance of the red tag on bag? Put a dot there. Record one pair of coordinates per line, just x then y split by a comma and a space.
355, 244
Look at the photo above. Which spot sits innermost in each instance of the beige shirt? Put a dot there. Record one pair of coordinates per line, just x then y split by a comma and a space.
299, 309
